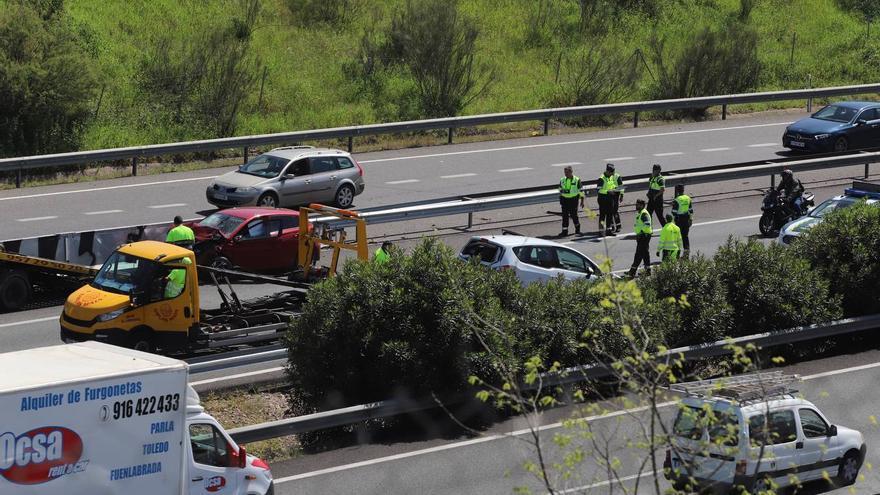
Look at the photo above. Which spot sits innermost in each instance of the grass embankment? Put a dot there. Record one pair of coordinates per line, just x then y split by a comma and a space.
245, 407
306, 85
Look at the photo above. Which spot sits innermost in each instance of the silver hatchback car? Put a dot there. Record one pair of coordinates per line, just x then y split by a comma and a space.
290, 176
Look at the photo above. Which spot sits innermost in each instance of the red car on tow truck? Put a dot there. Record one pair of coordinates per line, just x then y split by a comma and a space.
253, 239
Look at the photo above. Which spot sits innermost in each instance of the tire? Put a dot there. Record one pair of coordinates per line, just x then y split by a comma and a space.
762, 484
765, 224
848, 472
841, 144
142, 340
344, 196
269, 200
15, 290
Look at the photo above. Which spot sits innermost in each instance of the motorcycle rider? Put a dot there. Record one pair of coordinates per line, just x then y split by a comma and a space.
792, 190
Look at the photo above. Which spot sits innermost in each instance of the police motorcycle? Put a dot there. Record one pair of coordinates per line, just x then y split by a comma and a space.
778, 211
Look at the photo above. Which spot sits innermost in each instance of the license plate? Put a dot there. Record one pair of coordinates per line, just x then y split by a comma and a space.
797, 144
221, 197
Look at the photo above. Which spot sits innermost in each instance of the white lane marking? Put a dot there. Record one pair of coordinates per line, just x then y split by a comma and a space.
567, 143
520, 169
619, 159
28, 322
405, 181
466, 443
240, 375
630, 236
35, 219
763, 145
607, 482
170, 205
456, 176
671, 153
566, 164
96, 189
105, 212
710, 150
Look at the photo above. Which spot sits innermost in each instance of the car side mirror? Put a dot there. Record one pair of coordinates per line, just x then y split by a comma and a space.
242, 457
288, 177
861, 122
138, 298
832, 431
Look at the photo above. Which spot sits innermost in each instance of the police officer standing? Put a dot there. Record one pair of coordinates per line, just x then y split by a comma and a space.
180, 234
683, 210
608, 199
569, 193
383, 254
643, 232
656, 188
670, 240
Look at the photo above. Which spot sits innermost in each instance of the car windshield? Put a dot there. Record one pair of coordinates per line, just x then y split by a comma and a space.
831, 205
267, 166
835, 113
124, 274
226, 224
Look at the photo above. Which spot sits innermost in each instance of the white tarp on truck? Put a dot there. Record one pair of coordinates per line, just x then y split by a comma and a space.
89, 419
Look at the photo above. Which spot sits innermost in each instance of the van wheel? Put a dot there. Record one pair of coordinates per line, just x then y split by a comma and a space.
762, 484
345, 196
142, 340
15, 290
848, 471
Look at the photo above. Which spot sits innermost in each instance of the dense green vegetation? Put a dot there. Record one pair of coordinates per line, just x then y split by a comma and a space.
426, 322
146, 71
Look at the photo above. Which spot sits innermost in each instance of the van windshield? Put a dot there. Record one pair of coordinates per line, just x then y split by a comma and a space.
124, 274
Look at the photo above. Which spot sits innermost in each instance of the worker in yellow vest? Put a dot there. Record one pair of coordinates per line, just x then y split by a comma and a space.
180, 234
383, 254
607, 187
569, 194
643, 233
656, 188
683, 210
670, 240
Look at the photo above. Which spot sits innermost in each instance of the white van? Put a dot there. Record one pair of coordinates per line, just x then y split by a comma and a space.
751, 432
97, 419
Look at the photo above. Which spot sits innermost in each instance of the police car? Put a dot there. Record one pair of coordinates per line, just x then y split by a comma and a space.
860, 191
752, 432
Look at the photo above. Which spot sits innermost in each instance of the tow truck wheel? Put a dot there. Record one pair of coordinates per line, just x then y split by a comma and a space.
141, 341
222, 262
15, 290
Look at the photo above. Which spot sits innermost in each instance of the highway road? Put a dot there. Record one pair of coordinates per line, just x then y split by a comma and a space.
412, 174
844, 388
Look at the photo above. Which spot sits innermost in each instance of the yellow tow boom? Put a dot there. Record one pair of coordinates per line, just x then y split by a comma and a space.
311, 239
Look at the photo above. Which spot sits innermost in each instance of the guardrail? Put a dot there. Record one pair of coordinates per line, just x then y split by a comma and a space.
133, 153
387, 408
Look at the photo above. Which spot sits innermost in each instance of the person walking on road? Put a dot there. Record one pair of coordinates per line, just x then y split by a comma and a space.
607, 201
670, 240
643, 233
180, 234
616, 197
569, 194
383, 254
656, 188
683, 210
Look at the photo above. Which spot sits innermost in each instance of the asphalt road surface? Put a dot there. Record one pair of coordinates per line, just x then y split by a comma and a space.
844, 388
412, 174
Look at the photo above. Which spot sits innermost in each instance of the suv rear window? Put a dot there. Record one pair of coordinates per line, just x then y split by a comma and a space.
344, 162
485, 250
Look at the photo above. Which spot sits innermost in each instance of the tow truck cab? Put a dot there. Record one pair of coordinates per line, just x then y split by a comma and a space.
145, 295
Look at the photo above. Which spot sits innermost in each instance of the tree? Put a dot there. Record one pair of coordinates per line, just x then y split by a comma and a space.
202, 78
47, 82
438, 46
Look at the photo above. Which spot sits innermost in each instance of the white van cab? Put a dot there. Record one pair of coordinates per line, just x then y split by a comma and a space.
751, 432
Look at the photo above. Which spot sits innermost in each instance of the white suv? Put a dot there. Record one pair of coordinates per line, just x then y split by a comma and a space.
532, 259
752, 432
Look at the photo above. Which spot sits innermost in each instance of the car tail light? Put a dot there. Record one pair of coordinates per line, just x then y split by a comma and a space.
259, 463
360, 169
741, 467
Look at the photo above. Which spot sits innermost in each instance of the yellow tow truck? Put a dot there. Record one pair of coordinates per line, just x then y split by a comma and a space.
146, 296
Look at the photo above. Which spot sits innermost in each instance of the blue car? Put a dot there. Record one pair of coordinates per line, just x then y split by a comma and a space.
837, 127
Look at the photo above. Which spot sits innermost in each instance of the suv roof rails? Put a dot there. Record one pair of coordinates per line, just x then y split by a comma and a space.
743, 388
294, 147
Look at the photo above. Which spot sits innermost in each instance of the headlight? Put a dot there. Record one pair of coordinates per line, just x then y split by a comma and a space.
247, 190
109, 316
819, 137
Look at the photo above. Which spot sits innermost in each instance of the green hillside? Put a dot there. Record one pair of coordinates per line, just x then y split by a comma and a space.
165, 70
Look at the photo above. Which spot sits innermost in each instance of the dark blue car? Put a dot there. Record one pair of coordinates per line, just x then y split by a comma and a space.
837, 127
